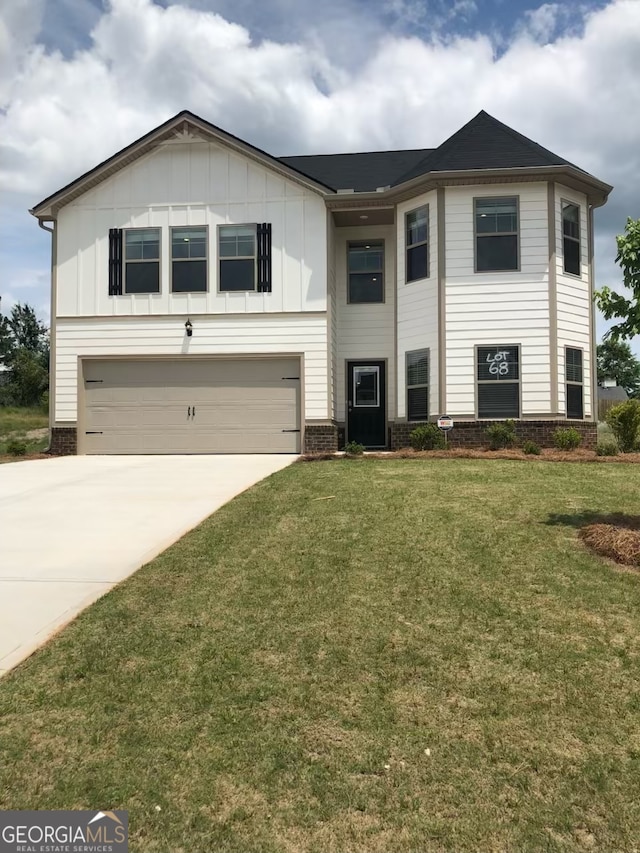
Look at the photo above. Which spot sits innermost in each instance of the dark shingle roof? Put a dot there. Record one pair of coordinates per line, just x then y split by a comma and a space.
483, 143
360, 172
616, 394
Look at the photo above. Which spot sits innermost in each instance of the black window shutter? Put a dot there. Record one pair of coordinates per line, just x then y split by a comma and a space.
115, 261
264, 257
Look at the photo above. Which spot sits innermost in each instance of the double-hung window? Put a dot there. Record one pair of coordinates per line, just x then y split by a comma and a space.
496, 228
571, 237
237, 257
498, 381
142, 260
418, 385
574, 383
365, 270
189, 259
417, 243
245, 258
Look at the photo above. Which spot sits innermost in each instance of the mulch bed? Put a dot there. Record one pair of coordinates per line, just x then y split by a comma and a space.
618, 539
546, 455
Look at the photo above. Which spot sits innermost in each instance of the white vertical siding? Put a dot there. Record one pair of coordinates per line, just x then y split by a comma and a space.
497, 308
193, 184
574, 299
365, 331
150, 336
417, 305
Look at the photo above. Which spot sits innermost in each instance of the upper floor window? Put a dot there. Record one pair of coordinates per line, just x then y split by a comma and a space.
365, 270
496, 227
245, 257
237, 257
417, 243
498, 382
142, 260
189, 259
571, 237
418, 385
574, 383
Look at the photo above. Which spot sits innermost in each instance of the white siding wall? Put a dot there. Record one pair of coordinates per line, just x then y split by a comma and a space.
366, 331
417, 305
574, 299
140, 336
193, 183
497, 308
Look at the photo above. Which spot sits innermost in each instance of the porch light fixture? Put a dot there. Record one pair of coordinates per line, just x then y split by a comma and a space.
189, 328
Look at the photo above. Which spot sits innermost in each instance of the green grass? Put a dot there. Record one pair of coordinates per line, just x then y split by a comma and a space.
16, 422
273, 681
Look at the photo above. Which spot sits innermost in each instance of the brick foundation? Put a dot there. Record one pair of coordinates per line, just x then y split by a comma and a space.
320, 438
64, 441
473, 433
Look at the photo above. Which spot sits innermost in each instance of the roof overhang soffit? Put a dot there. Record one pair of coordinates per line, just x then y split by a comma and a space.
597, 191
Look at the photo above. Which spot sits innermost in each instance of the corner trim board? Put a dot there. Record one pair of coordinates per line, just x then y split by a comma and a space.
442, 307
553, 295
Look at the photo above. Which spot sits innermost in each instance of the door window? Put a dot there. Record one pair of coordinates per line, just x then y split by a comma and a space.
366, 386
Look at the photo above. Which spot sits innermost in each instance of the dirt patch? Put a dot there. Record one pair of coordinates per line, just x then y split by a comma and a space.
619, 539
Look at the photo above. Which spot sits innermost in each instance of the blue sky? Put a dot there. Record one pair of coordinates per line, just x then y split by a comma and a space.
80, 79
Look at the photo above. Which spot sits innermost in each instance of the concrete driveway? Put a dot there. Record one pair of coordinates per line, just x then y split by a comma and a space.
73, 527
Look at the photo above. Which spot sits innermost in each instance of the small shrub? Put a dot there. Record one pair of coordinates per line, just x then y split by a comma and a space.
567, 439
427, 437
607, 448
354, 449
624, 421
16, 447
502, 435
531, 448
44, 401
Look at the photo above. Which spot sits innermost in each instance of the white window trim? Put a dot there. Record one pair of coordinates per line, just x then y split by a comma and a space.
173, 260
496, 234
408, 246
157, 260
254, 257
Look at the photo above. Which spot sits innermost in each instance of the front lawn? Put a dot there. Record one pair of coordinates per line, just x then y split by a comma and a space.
365, 655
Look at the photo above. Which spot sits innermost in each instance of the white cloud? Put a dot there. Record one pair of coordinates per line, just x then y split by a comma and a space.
578, 94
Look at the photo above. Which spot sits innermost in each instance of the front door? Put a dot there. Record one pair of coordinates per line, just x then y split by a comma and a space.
366, 402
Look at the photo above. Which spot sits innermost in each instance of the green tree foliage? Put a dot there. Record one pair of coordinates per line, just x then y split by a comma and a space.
24, 352
615, 305
616, 361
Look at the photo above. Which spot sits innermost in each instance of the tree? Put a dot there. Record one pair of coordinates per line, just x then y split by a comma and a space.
616, 361
614, 305
24, 351
27, 332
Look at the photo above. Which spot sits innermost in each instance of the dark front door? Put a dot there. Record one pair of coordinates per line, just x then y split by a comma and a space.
366, 402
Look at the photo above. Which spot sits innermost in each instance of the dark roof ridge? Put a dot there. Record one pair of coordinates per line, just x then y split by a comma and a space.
353, 153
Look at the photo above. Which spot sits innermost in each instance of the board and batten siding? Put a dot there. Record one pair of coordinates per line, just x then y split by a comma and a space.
417, 305
365, 331
193, 183
574, 299
497, 307
141, 337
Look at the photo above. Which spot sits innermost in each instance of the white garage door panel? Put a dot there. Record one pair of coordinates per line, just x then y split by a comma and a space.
192, 406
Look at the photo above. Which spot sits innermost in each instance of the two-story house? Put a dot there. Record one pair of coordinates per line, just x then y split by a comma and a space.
208, 297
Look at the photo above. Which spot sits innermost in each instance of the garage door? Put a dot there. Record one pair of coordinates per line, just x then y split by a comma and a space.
235, 405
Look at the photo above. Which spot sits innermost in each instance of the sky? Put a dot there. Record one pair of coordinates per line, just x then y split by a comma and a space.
80, 79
